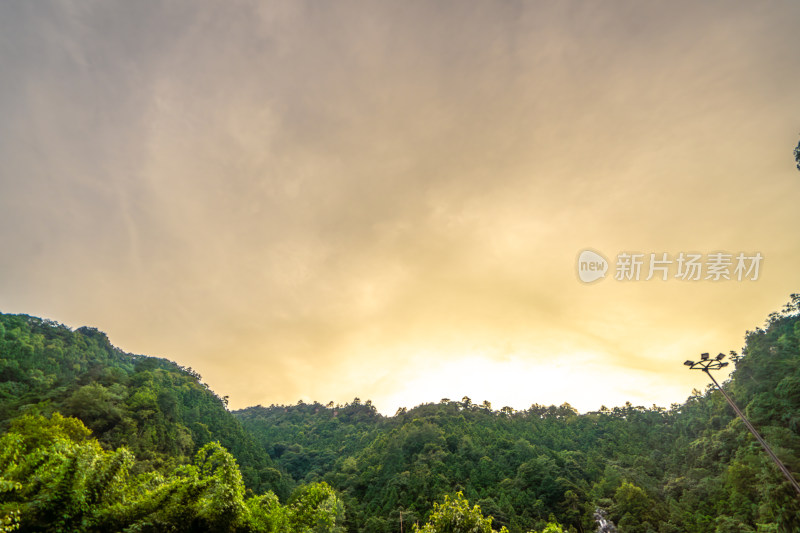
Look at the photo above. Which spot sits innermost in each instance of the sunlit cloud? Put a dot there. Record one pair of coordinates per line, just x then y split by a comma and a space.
319, 202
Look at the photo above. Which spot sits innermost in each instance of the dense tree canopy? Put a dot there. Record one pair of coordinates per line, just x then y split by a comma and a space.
94, 439
55, 477
691, 468
161, 412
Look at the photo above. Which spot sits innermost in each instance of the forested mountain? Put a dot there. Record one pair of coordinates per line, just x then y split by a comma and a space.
162, 412
691, 468
143, 445
95, 439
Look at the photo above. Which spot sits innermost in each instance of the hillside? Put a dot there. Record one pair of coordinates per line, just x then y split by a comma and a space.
162, 412
690, 468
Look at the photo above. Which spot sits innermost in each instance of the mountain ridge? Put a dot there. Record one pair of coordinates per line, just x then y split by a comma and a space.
692, 467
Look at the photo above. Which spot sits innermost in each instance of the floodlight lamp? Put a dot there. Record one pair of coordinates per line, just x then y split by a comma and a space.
688, 363
704, 356
723, 364
720, 357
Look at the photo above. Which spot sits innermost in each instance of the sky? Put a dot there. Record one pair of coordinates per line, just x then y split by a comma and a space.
387, 200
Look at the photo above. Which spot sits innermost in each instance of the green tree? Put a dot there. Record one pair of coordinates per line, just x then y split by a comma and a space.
551, 527
454, 515
797, 155
315, 508
633, 510
55, 477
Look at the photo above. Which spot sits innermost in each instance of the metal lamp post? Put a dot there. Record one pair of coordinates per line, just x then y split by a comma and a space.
706, 364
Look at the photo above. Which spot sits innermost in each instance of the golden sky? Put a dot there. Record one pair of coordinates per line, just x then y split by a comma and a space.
324, 200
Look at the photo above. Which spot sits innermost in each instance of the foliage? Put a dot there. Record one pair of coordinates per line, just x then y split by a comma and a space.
143, 446
692, 467
54, 480
455, 516
797, 155
161, 412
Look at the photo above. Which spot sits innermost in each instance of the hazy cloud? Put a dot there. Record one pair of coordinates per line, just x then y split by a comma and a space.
333, 200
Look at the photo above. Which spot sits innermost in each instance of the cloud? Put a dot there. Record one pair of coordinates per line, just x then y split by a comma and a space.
304, 191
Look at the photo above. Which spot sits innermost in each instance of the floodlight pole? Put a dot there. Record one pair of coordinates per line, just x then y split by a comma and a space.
706, 365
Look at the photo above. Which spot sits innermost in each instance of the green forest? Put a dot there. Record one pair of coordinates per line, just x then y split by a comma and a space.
96, 439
